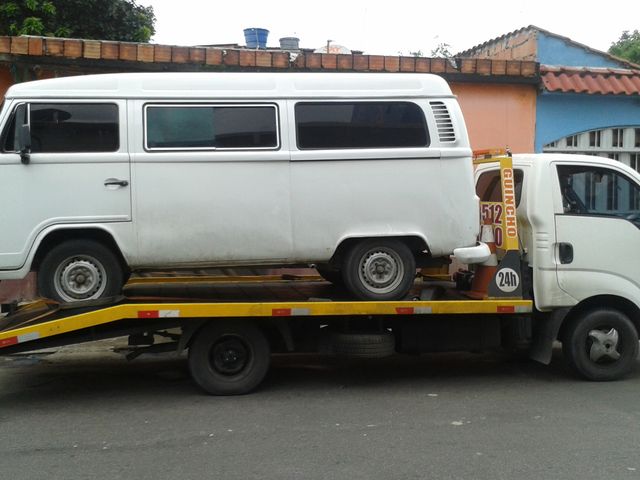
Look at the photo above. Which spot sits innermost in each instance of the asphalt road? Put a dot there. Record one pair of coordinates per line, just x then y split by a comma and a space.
85, 413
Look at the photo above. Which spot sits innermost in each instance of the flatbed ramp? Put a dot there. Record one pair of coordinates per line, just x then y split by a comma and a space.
235, 316
250, 297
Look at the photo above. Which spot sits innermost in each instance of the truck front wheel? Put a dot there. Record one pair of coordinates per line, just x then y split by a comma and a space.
78, 270
229, 358
601, 345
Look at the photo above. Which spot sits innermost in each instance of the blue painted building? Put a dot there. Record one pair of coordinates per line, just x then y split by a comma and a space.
589, 101
554, 49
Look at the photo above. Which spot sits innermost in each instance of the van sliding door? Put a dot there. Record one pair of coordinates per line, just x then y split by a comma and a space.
211, 184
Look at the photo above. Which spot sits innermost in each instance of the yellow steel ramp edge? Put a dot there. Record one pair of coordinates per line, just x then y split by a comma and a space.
182, 310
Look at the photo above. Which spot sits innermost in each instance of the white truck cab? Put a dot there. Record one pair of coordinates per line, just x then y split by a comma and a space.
579, 225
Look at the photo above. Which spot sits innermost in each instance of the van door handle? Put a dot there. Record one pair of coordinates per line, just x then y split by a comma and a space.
109, 182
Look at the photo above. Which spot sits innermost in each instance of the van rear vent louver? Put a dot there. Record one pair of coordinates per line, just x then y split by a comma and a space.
443, 122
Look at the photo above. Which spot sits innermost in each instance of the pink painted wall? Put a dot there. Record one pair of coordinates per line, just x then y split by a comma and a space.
499, 115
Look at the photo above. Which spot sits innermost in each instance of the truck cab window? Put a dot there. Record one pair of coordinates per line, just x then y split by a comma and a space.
597, 191
488, 186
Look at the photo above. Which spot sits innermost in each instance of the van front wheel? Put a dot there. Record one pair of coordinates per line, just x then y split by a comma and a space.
79, 270
379, 269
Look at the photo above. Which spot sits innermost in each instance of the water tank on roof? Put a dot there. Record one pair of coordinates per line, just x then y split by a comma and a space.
290, 43
256, 37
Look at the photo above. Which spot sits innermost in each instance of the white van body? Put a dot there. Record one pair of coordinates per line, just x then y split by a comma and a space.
579, 224
279, 204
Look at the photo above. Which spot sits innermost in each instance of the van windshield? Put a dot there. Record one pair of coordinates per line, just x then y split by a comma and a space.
7, 137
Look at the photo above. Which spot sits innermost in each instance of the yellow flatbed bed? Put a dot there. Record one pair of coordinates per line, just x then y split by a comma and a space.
252, 297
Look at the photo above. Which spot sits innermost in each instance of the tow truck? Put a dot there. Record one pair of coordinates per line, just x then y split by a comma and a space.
230, 325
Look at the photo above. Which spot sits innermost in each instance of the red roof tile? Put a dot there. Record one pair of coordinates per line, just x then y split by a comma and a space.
603, 81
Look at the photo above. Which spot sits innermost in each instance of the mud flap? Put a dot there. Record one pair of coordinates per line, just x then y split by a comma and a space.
507, 281
545, 331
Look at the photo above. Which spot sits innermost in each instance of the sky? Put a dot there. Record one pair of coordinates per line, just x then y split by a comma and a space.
396, 27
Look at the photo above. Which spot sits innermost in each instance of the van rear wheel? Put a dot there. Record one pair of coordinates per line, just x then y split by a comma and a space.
80, 270
379, 269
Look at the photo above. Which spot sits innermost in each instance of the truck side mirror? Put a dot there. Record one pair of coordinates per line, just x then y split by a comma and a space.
24, 134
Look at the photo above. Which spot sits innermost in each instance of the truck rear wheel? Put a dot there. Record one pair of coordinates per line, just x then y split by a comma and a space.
379, 269
229, 358
80, 270
601, 345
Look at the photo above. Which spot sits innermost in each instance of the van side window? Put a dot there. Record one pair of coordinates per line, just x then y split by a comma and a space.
67, 128
597, 191
204, 127
488, 186
333, 125
74, 127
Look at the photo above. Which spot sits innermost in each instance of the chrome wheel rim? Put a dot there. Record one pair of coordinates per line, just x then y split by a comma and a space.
81, 277
604, 345
381, 270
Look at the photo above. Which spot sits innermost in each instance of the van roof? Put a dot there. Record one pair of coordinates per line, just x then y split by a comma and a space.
229, 85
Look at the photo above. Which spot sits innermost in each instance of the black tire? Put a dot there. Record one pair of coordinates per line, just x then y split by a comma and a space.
597, 356
330, 275
80, 270
362, 345
229, 358
396, 262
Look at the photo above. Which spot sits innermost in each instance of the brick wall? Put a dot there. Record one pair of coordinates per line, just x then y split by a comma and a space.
74, 54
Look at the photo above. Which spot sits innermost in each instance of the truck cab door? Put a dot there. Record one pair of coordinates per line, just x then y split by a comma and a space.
597, 232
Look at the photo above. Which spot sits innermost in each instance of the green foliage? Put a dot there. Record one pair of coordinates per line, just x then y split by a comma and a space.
442, 51
32, 26
627, 47
122, 20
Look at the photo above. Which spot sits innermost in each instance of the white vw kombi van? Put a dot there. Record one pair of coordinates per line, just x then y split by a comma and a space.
365, 175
